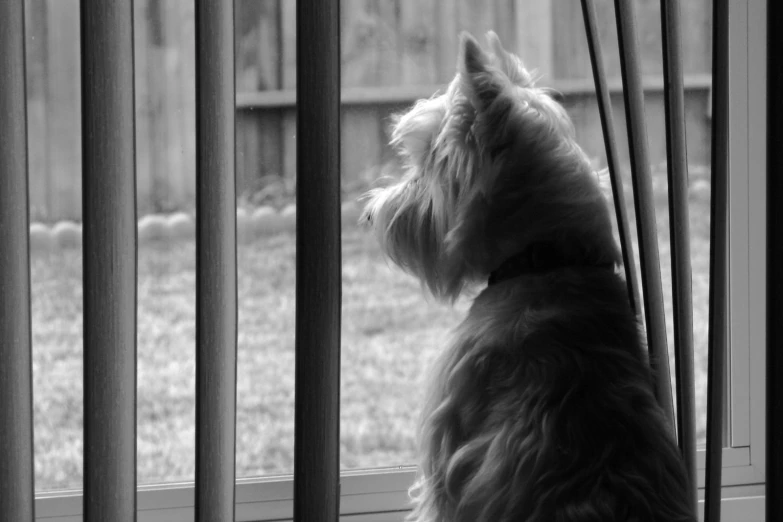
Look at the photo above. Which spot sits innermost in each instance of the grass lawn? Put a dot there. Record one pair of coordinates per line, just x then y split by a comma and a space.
390, 332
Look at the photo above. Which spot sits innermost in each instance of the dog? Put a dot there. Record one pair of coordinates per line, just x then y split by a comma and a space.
542, 407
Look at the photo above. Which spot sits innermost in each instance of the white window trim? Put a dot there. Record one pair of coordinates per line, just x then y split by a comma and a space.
367, 496
381, 495
744, 455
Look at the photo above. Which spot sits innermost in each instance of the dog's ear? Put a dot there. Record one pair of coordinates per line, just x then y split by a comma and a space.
480, 80
509, 63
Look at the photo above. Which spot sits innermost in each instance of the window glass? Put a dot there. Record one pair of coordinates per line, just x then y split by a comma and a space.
54, 152
395, 47
393, 52
572, 68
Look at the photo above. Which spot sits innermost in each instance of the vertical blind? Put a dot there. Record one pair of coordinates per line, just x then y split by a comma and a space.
318, 260
647, 231
216, 262
16, 370
110, 256
718, 293
679, 236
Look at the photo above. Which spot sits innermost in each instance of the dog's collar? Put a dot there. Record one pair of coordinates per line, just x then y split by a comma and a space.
537, 258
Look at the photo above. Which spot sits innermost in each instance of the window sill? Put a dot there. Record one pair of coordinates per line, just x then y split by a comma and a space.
367, 496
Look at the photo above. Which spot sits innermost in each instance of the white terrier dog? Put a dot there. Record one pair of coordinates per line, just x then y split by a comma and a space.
542, 408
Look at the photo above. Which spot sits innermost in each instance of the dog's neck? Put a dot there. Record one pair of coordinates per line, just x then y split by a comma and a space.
537, 258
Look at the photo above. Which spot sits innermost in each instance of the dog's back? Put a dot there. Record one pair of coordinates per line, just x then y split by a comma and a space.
544, 411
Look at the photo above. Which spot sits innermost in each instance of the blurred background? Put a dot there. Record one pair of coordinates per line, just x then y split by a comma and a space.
393, 52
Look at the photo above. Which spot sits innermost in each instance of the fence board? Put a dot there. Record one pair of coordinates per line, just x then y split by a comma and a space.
417, 46
259, 68
180, 81
448, 28
362, 36
259, 146
166, 104
506, 19
16, 369
696, 36
36, 58
360, 146
145, 109
172, 179
390, 41
247, 46
288, 78
533, 35
39, 193
257, 45
159, 104
370, 45
573, 32
288, 138
63, 105
288, 43
188, 94
475, 17
270, 148
248, 151
384, 47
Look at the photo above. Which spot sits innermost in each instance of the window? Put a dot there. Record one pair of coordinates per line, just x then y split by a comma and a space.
392, 55
744, 456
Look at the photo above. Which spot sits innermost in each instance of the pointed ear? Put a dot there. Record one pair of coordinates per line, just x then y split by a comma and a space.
481, 81
509, 63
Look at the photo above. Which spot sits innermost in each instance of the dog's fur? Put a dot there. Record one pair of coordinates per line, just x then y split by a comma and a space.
542, 408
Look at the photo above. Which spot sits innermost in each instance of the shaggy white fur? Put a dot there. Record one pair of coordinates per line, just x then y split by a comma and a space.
541, 408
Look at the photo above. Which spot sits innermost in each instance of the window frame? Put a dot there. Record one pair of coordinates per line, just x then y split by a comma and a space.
743, 456
380, 495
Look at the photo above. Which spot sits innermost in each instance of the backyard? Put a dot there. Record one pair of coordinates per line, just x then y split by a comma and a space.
390, 332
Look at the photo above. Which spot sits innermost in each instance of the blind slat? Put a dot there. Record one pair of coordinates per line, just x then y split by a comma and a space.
610, 143
318, 272
16, 394
216, 262
679, 234
655, 318
718, 293
109, 214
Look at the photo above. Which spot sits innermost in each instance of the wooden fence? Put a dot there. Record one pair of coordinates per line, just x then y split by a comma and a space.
393, 52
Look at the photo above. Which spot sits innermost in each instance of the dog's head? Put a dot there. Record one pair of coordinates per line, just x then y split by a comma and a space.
490, 166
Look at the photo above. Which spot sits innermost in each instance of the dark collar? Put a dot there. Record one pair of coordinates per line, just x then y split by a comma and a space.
537, 258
